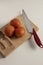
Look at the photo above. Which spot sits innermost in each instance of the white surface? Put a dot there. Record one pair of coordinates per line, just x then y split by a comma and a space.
28, 53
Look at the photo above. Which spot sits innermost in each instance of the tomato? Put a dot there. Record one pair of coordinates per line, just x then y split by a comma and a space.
9, 30
15, 22
19, 32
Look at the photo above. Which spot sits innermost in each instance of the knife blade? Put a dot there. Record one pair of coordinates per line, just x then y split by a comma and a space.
31, 30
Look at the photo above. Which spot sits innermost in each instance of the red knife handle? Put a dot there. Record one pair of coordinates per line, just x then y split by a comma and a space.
37, 39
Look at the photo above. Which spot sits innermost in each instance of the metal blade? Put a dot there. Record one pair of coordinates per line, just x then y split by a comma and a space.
27, 22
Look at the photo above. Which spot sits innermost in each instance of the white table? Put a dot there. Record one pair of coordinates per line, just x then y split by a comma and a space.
28, 53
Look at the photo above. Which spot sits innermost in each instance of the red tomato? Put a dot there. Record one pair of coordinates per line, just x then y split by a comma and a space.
19, 32
9, 30
15, 22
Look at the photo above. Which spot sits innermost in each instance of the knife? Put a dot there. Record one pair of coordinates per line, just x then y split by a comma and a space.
31, 30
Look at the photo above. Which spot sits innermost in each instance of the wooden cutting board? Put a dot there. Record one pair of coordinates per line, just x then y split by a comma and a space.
6, 47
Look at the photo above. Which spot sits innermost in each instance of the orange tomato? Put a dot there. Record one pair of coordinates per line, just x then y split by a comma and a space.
19, 32
9, 30
15, 22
